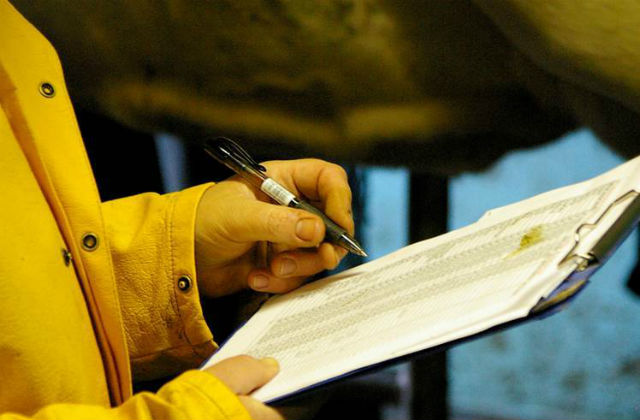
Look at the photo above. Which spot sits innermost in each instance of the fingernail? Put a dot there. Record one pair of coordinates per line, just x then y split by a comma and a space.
259, 281
287, 266
306, 229
271, 362
342, 253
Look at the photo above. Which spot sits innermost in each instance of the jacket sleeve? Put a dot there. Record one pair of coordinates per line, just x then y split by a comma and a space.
151, 238
192, 395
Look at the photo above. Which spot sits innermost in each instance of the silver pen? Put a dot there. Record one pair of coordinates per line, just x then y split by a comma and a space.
230, 154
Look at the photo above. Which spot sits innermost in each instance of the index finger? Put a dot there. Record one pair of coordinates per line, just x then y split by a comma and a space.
321, 181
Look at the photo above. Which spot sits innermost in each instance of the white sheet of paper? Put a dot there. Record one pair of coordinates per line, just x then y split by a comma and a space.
429, 293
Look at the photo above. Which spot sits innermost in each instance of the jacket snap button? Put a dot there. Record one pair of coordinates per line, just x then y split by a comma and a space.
66, 255
89, 242
47, 90
184, 283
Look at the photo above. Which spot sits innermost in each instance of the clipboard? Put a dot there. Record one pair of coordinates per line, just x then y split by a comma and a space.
560, 274
588, 263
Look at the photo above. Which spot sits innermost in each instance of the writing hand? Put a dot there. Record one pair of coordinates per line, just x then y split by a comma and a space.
234, 220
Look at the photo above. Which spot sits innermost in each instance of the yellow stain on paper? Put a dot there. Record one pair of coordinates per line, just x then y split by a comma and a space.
532, 237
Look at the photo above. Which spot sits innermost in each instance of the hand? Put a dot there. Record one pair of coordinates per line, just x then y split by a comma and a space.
244, 374
243, 239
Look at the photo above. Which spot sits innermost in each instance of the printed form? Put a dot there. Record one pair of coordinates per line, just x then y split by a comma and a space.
428, 293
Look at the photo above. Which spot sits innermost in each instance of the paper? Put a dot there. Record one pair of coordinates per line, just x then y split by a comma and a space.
426, 294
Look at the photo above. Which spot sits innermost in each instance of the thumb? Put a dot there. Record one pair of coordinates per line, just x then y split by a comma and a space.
243, 374
259, 221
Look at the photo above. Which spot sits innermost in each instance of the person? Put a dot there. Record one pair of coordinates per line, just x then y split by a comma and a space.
97, 293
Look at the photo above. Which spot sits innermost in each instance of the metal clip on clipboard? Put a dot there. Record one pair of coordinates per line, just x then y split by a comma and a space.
589, 261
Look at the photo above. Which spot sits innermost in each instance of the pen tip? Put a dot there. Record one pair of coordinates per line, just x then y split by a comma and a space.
351, 245
356, 249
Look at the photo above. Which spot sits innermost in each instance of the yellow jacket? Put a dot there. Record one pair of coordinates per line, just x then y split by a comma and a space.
88, 289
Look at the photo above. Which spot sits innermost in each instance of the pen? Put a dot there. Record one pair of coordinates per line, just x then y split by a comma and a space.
230, 154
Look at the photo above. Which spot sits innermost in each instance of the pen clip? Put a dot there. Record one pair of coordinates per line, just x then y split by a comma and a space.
230, 148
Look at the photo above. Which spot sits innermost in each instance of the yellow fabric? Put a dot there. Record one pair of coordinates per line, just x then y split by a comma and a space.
182, 398
68, 328
142, 230
46, 336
